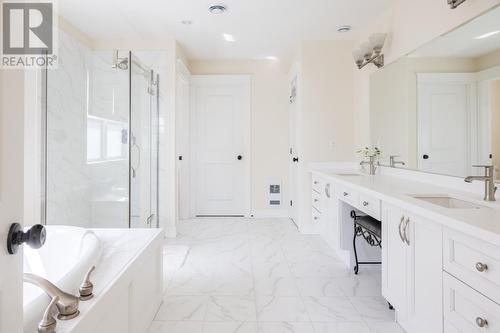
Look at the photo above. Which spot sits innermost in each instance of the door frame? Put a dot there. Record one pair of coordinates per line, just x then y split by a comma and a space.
213, 80
294, 212
484, 79
183, 140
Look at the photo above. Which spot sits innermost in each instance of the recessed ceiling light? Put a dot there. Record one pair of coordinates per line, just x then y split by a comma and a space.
187, 22
344, 28
489, 34
272, 58
217, 9
228, 38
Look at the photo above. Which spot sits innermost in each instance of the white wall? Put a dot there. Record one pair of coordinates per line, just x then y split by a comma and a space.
326, 121
269, 127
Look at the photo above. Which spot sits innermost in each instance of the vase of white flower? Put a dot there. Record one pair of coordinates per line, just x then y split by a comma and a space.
371, 155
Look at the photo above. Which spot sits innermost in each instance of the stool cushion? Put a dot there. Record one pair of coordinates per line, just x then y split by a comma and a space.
370, 224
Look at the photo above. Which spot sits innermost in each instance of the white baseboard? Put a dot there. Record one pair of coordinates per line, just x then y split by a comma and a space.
271, 213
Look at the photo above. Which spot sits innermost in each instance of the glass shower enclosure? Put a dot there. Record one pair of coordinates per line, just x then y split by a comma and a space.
100, 133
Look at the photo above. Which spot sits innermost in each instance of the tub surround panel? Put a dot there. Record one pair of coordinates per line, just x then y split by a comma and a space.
65, 268
127, 283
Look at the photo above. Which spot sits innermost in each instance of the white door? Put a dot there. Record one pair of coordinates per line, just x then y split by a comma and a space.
11, 197
446, 123
294, 155
221, 139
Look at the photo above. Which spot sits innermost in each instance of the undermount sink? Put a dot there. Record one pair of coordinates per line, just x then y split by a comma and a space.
448, 202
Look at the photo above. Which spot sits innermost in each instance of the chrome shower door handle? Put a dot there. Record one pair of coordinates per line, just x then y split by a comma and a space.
138, 164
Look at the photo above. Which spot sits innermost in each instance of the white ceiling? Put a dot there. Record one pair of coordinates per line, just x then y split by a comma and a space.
261, 27
462, 41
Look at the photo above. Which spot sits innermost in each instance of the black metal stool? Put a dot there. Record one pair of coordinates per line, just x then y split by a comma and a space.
371, 230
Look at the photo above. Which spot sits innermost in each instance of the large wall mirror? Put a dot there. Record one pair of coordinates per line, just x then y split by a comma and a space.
438, 108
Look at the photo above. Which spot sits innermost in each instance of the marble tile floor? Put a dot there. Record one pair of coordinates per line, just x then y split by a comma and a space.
263, 276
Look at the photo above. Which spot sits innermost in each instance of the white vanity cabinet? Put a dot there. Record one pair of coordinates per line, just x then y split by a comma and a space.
471, 284
440, 276
317, 200
324, 210
412, 269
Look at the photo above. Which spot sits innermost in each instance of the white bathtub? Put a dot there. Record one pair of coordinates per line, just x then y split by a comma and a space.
64, 259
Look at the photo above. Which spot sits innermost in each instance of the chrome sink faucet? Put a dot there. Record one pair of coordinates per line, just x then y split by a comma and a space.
371, 163
66, 304
489, 181
393, 162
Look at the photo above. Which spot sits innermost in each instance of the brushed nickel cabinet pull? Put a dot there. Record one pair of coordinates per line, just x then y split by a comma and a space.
399, 228
405, 234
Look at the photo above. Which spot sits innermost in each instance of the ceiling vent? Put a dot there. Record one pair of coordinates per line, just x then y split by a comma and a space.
217, 9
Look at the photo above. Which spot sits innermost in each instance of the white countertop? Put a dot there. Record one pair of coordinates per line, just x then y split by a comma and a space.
483, 223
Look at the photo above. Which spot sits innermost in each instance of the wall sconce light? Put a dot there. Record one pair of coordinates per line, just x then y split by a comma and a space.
371, 52
455, 3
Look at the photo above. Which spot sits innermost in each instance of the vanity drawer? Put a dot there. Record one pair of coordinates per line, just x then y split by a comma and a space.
315, 215
475, 262
348, 195
316, 200
317, 184
369, 205
466, 310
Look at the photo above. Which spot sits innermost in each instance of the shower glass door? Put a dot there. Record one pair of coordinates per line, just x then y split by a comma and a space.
85, 158
99, 160
143, 145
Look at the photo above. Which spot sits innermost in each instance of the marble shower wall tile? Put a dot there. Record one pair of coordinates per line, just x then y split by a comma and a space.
68, 179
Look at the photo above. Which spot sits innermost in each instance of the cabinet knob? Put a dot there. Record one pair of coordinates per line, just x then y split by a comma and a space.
346, 194
316, 218
481, 267
316, 200
315, 182
365, 203
481, 322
